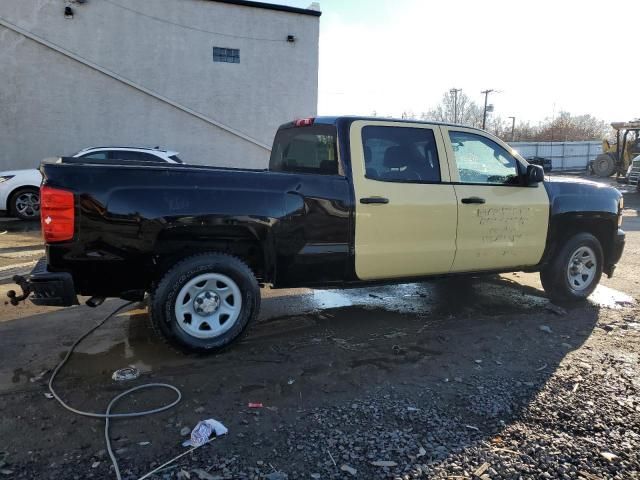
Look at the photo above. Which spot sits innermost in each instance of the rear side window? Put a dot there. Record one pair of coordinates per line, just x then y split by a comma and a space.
401, 154
305, 150
102, 155
138, 156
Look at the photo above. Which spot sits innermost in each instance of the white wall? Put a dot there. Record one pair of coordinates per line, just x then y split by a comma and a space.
563, 155
51, 104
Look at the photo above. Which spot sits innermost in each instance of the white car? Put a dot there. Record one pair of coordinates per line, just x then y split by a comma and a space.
20, 189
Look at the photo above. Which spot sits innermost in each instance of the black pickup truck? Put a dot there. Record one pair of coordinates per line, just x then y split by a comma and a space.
346, 201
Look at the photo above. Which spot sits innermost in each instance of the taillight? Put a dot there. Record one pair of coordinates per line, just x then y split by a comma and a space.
304, 122
57, 214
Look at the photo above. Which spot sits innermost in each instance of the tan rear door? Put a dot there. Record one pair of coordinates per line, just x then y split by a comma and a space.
501, 224
405, 216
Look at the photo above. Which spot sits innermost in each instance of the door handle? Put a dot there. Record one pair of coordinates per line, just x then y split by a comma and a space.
373, 200
473, 200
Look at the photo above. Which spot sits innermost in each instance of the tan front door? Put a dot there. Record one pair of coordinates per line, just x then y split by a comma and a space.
501, 223
405, 216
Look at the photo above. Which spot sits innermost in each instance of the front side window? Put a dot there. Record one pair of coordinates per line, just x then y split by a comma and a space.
481, 160
400, 154
305, 150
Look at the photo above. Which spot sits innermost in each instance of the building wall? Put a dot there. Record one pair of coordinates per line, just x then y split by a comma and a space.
51, 104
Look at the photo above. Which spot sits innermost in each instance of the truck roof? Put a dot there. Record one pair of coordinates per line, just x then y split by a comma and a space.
333, 120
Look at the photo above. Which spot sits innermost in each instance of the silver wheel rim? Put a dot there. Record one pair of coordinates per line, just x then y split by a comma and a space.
582, 268
28, 204
208, 305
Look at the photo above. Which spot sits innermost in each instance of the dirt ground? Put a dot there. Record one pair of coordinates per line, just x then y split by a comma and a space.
465, 379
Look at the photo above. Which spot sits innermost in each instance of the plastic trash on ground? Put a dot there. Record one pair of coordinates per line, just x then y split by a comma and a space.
127, 373
203, 431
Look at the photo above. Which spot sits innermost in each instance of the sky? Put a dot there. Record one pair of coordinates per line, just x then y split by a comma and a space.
542, 56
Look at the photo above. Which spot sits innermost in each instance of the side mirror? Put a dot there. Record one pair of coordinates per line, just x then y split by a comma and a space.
535, 174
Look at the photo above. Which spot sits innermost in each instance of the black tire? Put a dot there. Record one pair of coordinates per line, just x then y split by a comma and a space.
604, 165
25, 203
555, 276
164, 297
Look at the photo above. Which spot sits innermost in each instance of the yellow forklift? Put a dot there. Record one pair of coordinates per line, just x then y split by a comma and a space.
616, 157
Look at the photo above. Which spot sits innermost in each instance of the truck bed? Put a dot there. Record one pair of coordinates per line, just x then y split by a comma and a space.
133, 220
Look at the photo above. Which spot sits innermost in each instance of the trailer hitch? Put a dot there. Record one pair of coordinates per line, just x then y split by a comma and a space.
24, 285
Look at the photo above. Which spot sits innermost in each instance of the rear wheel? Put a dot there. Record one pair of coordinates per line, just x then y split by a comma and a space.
205, 302
604, 165
25, 204
575, 270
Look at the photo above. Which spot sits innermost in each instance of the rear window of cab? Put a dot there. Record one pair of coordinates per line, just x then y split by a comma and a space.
310, 149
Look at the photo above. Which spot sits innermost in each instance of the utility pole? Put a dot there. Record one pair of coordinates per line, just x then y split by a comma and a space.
454, 92
513, 128
486, 97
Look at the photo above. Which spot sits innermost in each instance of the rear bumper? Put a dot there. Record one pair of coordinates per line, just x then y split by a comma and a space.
54, 289
616, 252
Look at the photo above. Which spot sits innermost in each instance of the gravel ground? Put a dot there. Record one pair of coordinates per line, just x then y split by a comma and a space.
584, 422
573, 418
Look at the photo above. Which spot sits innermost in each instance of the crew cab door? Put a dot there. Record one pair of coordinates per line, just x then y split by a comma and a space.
406, 211
502, 223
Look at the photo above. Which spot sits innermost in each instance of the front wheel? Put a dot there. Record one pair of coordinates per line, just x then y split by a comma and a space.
604, 165
205, 302
575, 270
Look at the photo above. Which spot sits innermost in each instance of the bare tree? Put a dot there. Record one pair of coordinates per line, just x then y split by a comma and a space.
468, 112
565, 127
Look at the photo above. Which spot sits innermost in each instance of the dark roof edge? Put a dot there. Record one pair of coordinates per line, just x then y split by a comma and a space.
271, 6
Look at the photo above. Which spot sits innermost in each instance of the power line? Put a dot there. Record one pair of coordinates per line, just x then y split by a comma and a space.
195, 29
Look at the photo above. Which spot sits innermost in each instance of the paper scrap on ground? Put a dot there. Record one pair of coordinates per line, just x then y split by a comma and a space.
202, 432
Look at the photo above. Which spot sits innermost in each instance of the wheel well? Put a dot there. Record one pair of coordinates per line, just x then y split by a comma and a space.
15, 191
601, 228
170, 250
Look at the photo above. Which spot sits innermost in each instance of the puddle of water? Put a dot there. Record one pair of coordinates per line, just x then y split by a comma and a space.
331, 299
606, 297
443, 297
129, 343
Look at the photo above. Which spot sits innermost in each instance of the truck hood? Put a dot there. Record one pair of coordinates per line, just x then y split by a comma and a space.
574, 180
577, 194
